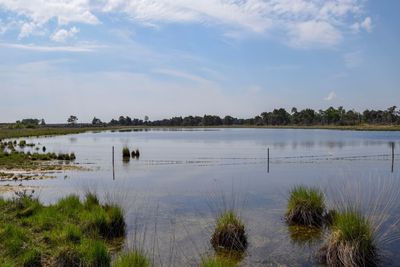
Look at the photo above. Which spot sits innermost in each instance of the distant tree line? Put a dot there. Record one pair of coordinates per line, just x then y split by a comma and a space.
277, 117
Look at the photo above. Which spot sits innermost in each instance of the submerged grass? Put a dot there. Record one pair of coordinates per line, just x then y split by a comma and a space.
67, 233
306, 206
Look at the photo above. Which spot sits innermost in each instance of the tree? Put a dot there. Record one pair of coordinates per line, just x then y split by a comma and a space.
96, 121
42, 122
72, 119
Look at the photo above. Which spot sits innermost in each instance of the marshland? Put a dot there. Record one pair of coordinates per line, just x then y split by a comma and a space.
203, 196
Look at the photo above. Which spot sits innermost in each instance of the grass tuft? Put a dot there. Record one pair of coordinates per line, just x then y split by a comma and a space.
306, 206
216, 262
125, 153
229, 233
132, 259
351, 242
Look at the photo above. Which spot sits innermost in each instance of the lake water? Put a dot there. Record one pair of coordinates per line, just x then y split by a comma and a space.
185, 176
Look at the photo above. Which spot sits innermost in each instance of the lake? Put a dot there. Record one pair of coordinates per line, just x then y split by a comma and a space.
183, 177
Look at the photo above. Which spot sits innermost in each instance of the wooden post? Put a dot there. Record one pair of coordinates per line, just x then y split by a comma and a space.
267, 160
113, 165
392, 156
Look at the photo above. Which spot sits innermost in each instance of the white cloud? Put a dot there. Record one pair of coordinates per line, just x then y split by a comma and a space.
314, 33
302, 23
37, 13
83, 48
26, 29
331, 96
62, 34
366, 25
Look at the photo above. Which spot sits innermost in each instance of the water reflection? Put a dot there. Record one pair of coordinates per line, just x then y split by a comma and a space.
305, 235
178, 169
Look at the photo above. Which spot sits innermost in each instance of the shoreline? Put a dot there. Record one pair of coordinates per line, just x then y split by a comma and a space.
8, 133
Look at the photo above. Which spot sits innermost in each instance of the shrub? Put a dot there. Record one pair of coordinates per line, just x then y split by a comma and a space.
305, 206
229, 233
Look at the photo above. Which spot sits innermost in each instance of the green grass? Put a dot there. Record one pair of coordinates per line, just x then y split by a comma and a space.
217, 262
68, 233
133, 258
229, 233
306, 206
351, 242
28, 161
126, 153
9, 132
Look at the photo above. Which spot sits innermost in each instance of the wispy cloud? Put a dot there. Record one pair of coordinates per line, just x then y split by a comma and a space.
302, 23
39, 48
353, 59
63, 34
181, 74
331, 96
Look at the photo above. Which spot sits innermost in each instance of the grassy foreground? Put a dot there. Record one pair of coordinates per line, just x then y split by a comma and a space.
68, 233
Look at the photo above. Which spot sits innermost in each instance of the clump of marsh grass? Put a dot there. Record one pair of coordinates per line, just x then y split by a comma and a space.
134, 258
126, 155
365, 222
22, 143
306, 206
216, 262
351, 242
135, 153
229, 233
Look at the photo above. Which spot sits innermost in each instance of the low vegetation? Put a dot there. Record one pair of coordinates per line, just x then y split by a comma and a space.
10, 158
217, 262
351, 241
126, 154
306, 206
133, 258
229, 233
68, 233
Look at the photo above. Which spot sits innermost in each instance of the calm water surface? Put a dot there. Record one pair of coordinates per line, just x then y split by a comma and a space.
184, 177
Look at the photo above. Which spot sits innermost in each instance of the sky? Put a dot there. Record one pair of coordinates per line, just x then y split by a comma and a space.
165, 58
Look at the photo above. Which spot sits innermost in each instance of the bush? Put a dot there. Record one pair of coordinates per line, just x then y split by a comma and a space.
306, 206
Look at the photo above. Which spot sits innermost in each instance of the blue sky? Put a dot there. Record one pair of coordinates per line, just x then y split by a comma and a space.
164, 58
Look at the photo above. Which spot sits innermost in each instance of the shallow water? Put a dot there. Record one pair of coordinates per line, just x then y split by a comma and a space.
184, 176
